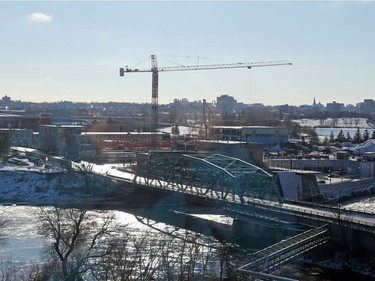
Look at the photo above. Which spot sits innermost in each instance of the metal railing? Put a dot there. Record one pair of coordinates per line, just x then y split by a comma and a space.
328, 214
270, 258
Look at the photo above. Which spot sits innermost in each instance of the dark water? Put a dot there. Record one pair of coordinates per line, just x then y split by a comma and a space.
20, 241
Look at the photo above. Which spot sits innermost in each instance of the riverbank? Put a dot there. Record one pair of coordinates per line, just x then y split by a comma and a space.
41, 187
69, 188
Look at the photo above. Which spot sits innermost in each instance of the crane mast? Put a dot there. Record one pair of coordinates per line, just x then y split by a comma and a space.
154, 102
155, 82
210, 117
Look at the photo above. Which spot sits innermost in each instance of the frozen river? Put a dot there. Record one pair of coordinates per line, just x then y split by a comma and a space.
21, 242
19, 237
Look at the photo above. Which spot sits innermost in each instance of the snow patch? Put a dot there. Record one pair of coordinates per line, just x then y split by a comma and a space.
367, 146
38, 188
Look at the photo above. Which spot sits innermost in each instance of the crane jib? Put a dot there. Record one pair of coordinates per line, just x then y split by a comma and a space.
155, 81
205, 67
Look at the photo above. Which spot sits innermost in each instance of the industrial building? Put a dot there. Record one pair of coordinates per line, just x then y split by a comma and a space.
268, 136
60, 139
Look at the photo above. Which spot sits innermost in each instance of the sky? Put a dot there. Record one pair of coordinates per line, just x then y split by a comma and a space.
72, 50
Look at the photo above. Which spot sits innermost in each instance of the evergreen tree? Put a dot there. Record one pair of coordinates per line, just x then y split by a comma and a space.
373, 134
175, 130
366, 135
326, 140
331, 137
314, 138
357, 138
340, 137
4, 147
349, 137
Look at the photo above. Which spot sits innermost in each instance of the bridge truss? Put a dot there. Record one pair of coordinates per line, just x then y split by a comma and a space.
210, 175
273, 257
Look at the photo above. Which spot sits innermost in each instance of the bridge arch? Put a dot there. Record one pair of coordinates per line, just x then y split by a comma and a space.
211, 175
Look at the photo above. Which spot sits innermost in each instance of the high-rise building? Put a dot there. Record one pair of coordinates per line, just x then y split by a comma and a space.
5, 101
335, 107
225, 104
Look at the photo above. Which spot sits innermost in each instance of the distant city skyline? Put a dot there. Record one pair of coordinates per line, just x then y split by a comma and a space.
53, 51
367, 105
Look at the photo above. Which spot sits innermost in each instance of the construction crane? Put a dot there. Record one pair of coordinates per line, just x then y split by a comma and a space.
210, 116
155, 81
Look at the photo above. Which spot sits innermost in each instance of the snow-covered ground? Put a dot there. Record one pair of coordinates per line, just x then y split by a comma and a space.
362, 204
183, 130
24, 182
38, 188
337, 122
367, 146
38, 184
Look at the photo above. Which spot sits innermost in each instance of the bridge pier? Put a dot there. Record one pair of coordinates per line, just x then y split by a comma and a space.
256, 234
355, 241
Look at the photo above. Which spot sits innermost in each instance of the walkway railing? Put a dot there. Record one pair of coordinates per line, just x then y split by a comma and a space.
271, 258
327, 214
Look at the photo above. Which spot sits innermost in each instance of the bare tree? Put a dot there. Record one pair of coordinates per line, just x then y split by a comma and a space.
34, 271
356, 121
84, 247
37, 271
190, 253
8, 270
334, 122
85, 168
226, 255
133, 258
169, 261
182, 255
76, 237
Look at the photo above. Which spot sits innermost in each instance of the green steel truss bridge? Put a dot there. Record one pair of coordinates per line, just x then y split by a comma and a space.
211, 175
237, 185
239, 188
245, 190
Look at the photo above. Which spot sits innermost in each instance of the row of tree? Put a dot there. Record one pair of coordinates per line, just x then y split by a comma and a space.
85, 246
357, 138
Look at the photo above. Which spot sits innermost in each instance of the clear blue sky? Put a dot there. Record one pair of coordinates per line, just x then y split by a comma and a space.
52, 51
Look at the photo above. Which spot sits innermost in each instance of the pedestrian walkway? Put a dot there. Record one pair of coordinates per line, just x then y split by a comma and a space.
265, 261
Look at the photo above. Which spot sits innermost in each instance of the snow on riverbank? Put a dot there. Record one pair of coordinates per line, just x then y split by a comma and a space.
38, 188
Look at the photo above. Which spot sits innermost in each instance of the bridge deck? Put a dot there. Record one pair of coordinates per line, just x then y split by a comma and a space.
274, 256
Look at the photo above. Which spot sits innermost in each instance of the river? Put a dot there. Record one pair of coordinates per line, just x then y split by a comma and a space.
21, 242
326, 132
19, 237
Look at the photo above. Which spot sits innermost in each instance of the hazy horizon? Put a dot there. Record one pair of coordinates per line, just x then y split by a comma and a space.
72, 50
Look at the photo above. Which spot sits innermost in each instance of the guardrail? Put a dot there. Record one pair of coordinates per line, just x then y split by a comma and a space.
269, 259
332, 216
313, 204
329, 215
